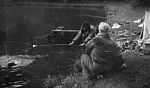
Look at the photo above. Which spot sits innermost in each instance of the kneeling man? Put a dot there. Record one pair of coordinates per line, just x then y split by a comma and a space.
102, 54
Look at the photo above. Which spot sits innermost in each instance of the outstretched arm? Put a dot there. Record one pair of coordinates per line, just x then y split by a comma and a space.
76, 39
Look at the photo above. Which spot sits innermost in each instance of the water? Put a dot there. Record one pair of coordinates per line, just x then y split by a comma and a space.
21, 25
12, 78
24, 22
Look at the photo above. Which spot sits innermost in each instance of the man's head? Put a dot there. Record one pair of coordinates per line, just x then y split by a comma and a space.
103, 27
86, 26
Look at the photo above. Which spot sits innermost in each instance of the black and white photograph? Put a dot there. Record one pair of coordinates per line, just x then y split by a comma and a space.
74, 44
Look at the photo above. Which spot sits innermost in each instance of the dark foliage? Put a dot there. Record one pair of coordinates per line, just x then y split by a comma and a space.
142, 3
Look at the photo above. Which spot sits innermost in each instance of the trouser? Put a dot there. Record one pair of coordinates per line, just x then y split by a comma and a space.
91, 68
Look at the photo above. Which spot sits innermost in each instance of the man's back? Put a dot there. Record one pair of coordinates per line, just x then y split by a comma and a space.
102, 48
101, 54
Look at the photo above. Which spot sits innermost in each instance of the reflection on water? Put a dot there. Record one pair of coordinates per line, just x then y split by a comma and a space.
19, 60
25, 22
12, 78
11, 71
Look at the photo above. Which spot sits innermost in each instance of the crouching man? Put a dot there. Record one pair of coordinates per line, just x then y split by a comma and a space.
102, 54
85, 34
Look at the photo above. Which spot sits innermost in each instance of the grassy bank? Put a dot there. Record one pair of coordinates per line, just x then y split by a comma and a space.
135, 76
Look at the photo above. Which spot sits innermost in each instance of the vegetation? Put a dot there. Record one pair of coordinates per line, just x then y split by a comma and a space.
142, 3
135, 76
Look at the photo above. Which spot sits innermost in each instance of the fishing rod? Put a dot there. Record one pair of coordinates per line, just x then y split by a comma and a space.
100, 17
36, 45
54, 45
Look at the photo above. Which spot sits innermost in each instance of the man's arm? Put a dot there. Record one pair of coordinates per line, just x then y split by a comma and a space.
89, 37
76, 39
78, 36
89, 47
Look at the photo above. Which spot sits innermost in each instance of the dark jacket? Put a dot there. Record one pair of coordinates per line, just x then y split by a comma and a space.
84, 37
102, 49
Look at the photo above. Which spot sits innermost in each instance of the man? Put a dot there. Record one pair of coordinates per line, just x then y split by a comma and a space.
102, 54
84, 35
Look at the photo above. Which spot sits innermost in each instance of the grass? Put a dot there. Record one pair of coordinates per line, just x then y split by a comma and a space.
135, 76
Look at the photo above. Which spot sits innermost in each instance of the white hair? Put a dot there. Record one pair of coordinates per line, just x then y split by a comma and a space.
103, 26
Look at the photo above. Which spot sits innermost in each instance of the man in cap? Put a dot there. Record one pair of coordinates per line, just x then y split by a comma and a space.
84, 35
102, 54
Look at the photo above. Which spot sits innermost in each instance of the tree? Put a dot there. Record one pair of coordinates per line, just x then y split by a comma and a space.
139, 2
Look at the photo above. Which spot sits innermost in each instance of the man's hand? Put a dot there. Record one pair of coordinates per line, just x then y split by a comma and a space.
82, 44
71, 43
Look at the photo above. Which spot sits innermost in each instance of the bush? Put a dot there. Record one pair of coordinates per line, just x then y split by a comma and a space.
142, 3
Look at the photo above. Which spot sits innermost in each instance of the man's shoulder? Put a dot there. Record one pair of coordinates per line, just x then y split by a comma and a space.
95, 39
